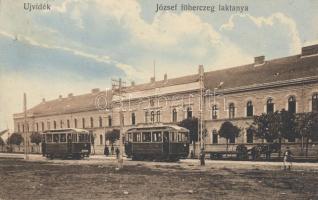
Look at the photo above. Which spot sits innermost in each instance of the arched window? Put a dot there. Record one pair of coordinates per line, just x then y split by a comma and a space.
100, 122
22, 128
100, 139
315, 102
152, 116
249, 136
61, 124
231, 110
146, 116
83, 122
48, 124
292, 104
189, 112
269, 105
37, 127
174, 115
54, 124
75, 123
214, 112
42, 124
92, 122
133, 118
215, 137
68, 123
109, 120
158, 116
249, 109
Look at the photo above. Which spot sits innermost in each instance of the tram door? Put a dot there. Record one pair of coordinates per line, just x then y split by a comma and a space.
166, 140
69, 143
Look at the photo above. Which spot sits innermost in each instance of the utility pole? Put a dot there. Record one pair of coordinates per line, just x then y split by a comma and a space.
117, 86
201, 72
26, 141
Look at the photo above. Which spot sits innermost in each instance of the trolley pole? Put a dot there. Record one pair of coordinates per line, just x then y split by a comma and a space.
118, 86
26, 156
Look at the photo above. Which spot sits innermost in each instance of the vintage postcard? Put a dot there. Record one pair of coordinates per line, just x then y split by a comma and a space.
158, 99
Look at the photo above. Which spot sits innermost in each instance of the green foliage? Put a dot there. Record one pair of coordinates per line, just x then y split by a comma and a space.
288, 125
112, 135
267, 126
229, 131
36, 138
192, 125
306, 125
15, 138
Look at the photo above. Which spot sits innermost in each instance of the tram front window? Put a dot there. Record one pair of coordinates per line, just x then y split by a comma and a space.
48, 137
146, 137
74, 137
56, 138
156, 136
62, 137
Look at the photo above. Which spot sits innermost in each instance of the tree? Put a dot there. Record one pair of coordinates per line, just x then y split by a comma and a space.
229, 131
15, 138
192, 125
288, 125
112, 136
307, 127
36, 138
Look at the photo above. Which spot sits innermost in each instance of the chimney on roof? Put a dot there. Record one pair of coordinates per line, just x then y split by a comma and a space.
201, 70
132, 83
70, 95
259, 60
95, 90
165, 77
43, 100
309, 50
152, 79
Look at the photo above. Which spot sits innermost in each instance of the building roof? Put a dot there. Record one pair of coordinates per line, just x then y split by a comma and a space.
287, 68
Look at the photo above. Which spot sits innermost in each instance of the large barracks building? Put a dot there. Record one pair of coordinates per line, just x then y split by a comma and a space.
234, 94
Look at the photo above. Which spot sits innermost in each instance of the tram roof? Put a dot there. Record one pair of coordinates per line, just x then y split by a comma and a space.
65, 130
160, 126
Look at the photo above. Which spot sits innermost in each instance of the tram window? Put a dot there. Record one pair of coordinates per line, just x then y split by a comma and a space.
48, 137
165, 136
63, 137
179, 137
74, 137
81, 138
146, 137
129, 138
69, 137
56, 138
184, 137
172, 136
43, 138
156, 136
137, 137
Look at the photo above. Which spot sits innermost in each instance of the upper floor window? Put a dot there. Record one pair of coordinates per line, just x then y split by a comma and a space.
215, 137
37, 127
92, 122
249, 136
100, 139
23, 128
48, 124
68, 123
315, 102
61, 124
231, 110
18, 125
42, 124
249, 109
146, 116
158, 116
75, 123
269, 105
292, 104
83, 122
214, 112
152, 116
189, 112
109, 120
133, 118
174, 115
100, 122
54, 124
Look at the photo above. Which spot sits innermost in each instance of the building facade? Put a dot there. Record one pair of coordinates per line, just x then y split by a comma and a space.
233, 94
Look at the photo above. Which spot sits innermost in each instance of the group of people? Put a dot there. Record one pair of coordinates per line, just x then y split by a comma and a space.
287, 159
107, 153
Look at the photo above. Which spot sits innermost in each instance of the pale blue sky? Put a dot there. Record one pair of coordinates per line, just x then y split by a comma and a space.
81, 44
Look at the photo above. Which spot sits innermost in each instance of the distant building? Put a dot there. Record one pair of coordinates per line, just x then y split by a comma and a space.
234, 94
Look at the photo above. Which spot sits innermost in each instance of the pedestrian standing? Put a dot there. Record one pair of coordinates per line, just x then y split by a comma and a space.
117, 153
106, 150
288, 159
202, 157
